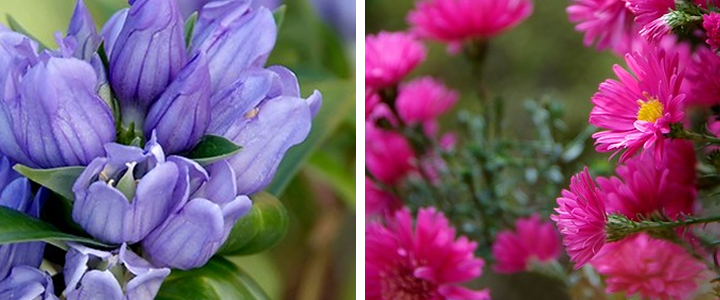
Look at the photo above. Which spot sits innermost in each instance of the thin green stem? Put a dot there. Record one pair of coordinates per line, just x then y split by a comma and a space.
677, 131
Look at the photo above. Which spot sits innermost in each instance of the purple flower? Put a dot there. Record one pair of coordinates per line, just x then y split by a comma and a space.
27, 283
83, 32
112, 28
54, 118
90, 274
234, 37
272, 119
16, 193
147, 55
182, 114
340, 14
191, 236
188, 7
124, 196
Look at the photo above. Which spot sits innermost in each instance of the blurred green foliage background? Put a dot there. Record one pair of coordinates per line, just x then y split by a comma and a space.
316, 260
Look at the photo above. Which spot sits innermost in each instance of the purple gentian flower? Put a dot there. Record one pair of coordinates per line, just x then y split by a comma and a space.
83, 33
182, 114
27, 282
16, 193
147, 54
188, 7
124, 196
91, 274
54, 118
191, 236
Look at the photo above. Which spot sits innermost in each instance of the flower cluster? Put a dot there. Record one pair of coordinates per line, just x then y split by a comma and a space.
129, 106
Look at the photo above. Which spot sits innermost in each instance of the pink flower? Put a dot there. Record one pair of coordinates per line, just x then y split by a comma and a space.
608, 23
424, 99
650, 14
454, 21
704, 78
581, 218
711, 24
643, 187
388, 155
655, 269
637, 111
371, 100
531, 241
379, 202
424, 261
389, 57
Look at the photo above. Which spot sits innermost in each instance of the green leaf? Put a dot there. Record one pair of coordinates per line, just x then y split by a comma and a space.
279, 15
189, 28
58, 180
16, 227
261, 229
220, 279
213, 148
336, 173
338, 101
15, 26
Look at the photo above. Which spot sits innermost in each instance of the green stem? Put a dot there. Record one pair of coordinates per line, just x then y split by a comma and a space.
619, 226
677, 131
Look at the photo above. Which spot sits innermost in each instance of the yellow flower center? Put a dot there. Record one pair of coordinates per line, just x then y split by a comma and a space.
650, 110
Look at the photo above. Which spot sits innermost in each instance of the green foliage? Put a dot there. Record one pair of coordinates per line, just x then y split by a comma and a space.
16, 227
213, 148
58, 180
261, 229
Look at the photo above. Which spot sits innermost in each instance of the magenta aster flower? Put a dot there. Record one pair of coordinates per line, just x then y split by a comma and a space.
650, 14
580, 218
711, 24
388, 155
389, 57
371, 99
704, 78
607, 23
379, 202
454, 21
652, 268
643, 186
636, 111
424, 99
532, 240
424, 261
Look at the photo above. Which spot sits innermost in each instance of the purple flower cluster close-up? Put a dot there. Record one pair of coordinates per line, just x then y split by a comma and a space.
127, 106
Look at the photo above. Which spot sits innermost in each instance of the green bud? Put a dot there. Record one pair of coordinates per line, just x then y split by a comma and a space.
261, 229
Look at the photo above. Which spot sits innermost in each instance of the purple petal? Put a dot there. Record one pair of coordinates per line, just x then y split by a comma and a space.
182, 114
153, 202
97, 285
76, 261
27, 283
111, 31
103, 213
239, 99
82, 29
147, 280
221, 188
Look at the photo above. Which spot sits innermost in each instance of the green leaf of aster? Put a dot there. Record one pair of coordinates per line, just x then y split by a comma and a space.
261, 229
58, 180
213, 148
16, 227
220, 279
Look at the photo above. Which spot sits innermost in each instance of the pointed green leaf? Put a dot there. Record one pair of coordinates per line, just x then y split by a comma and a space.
189, 28
213, 148
58, 180
15, 26
16, 227
279, 15
220, 279
261, 229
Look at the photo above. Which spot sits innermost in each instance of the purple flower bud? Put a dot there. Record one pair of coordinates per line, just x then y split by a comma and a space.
147, 55
16, 193
111, 30
234, 38
27, 282
182, 114
57, 119
124, 196
262, 112
271, 4
89, 274
191, 236
17, 52
82, 30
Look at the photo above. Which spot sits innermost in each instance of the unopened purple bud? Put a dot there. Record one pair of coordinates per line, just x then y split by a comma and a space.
57, 120
111, 30
147, 55
234, 38
82, 29
190, 237
27, 282
182, 114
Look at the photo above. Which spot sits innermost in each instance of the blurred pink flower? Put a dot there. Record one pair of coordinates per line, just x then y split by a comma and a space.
454, 21
637, 111
580, 218
389, 57
424, 261
643, 187
371, 100
424, 99
704, 78
650, 15
379, 202
532, 240
388, 155
652, 268
608, 23
711, 24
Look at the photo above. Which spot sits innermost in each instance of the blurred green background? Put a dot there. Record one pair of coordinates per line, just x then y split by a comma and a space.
316, 260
